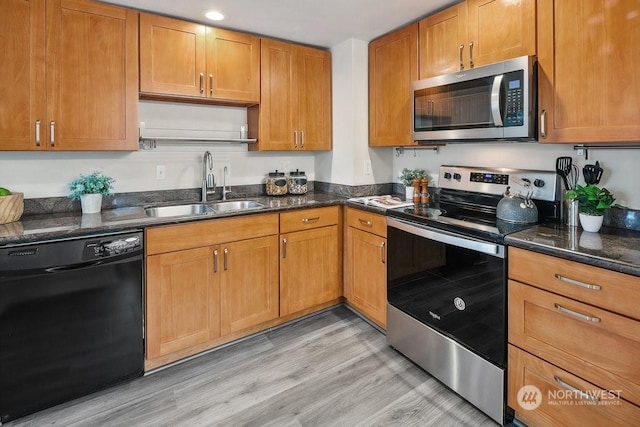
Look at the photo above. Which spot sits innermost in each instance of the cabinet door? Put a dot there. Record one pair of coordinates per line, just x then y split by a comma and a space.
249, 292
443, 42
313, 94
588, 56
183, 298
309, 269
233, 66
393, 65
172, 56
22, 80
367, 274
92, 76
501, 29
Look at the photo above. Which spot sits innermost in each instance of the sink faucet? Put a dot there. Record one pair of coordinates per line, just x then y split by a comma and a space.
224, 184
208, 180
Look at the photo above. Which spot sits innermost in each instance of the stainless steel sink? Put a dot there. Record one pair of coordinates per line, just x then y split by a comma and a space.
235, 205
178, 210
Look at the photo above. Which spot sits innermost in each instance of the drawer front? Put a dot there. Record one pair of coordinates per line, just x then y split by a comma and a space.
597, 345
305, 219
607, 289
367, 221
564, 398
209, 232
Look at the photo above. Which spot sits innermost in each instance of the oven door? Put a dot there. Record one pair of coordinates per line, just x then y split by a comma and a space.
454, 284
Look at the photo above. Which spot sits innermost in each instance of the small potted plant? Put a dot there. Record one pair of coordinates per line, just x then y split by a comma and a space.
89, 189
592, 202
407, 176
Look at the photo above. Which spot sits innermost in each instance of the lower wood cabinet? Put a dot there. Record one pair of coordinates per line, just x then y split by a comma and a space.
365, 264
310, 260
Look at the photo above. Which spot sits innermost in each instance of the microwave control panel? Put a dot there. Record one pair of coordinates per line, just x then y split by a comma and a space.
514, 105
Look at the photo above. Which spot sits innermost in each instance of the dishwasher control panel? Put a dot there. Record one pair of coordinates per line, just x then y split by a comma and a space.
108, 246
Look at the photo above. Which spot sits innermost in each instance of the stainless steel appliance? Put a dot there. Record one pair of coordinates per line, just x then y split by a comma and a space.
70, 319
447, 277
496, 101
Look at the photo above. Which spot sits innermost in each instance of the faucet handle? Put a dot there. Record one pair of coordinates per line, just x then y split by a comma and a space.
211, 181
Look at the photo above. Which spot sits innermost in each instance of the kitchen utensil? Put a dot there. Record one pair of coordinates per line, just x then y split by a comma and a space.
592, 173
563, 168
573, 177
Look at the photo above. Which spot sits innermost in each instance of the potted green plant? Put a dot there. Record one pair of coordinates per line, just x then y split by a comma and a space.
592, 202
89, 189
407, 176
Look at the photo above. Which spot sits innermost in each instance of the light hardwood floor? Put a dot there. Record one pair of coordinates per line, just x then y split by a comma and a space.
331, 369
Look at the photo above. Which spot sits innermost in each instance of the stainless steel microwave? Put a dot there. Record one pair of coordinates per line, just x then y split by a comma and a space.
493, 102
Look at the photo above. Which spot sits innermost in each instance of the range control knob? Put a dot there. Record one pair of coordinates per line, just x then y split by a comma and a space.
457, 176
447, 175
538, 183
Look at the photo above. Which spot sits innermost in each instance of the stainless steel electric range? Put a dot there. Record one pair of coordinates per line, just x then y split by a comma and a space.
447, 279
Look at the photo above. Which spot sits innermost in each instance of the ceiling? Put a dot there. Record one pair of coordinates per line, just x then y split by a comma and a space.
323, 23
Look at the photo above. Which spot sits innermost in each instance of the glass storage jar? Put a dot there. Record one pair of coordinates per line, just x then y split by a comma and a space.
297, 182
276, 184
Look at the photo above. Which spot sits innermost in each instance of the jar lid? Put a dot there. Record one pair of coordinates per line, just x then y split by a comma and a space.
276, 174
297, 172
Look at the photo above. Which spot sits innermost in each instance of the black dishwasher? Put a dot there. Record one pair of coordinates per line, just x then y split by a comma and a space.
70, 319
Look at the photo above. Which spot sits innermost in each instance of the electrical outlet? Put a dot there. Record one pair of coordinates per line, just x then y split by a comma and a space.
161, 172
366, 167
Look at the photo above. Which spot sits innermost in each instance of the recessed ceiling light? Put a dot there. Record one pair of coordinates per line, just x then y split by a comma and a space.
214, 15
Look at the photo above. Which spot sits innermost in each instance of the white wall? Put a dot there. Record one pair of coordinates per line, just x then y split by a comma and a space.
622, 167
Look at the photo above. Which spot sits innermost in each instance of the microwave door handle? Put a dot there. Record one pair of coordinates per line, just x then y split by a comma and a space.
495, 100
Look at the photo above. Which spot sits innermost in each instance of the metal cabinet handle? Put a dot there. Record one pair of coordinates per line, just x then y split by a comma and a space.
52, 136
301, 139
225, 251
365, 222
211, 84
215, 261
582, 394
308, 220
543, 124
284, 248
470, 54
383, 257
576, 314
37, 133
461, 61
201, 82
578, 283
295, 139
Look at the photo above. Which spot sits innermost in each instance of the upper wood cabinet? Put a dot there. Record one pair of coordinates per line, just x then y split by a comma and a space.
295, 102
393, 65
588, 56
185, 59
87, 97
475, 33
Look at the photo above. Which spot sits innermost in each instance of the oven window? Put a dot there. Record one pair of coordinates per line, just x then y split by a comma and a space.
457, 291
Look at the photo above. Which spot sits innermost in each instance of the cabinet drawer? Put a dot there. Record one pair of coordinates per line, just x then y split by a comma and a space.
367, 221
611, 290
561, 400
595, 344
209, 232
305, 219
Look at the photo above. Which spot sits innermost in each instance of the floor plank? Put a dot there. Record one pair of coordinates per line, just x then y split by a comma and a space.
330, 369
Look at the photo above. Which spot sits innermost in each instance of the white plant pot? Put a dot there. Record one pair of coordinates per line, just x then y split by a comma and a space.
91, 203
591, 223
408, 192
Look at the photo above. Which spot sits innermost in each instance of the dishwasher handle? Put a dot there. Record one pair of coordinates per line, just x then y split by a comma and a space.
79, 266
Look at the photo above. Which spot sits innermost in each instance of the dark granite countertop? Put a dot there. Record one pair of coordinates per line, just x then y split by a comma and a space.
38, 228
616, 249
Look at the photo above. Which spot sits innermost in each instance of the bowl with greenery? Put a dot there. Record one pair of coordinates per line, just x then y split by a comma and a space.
89, 189
592, 202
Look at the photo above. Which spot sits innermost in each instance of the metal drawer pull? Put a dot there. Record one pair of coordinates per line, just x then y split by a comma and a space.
301, 139
365, 222
383, 258
215, 261
37, 133
308, 220
471, 55
295, 139
583, 394
211, 84
52, 131
201, 82
225, 251
543, 124
576, 314
578, 283
284, 248
461, 62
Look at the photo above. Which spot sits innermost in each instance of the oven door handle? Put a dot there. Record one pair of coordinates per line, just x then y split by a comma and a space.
449, 239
